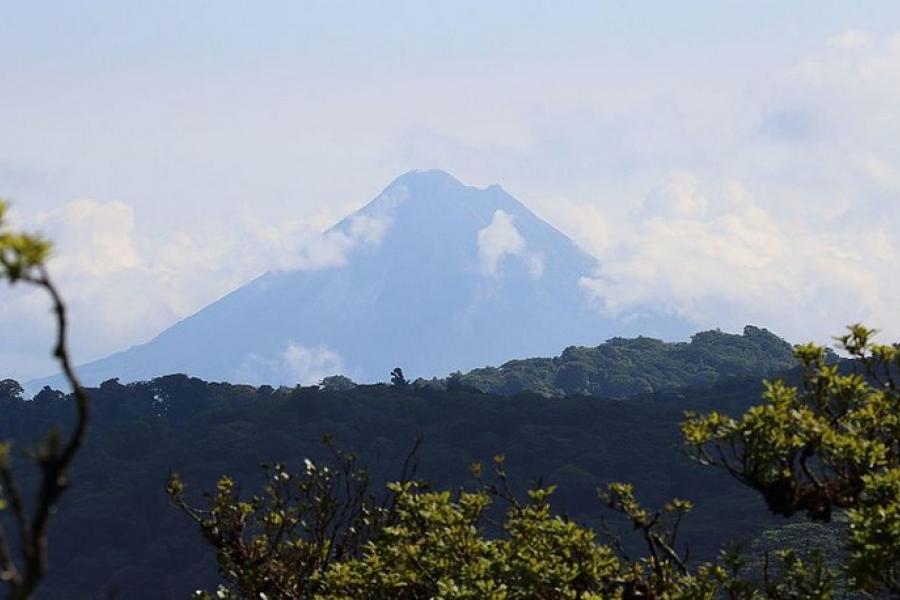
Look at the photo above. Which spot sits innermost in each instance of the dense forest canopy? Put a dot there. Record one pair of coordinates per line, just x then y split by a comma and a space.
626, 367
118, 532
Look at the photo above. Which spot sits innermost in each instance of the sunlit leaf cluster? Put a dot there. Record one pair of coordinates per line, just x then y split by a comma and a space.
21, 254
485, 542
833, 443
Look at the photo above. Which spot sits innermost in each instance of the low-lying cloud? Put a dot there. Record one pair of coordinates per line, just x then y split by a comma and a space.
501, 239
296, 364
739, 264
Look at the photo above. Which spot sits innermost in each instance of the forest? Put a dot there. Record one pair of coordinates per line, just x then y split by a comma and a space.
117, 533
622, 367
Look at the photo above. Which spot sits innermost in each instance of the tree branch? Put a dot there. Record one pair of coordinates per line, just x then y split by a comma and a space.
53, 460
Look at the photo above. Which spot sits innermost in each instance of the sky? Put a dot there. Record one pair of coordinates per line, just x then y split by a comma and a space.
733, 162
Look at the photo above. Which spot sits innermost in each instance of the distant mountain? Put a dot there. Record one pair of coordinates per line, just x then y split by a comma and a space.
432, 275
627, 367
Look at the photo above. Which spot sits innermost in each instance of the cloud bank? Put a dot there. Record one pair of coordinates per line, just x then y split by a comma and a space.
740, 264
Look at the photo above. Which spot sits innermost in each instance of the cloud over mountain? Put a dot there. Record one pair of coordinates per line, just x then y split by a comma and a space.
501, 239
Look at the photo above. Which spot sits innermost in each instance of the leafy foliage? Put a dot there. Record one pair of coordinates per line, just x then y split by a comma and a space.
436, 549
279, 543
833, 443
337, 383
443, 544
22, 255
626, 367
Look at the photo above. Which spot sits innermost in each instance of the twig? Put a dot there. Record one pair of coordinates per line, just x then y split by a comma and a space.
53, 461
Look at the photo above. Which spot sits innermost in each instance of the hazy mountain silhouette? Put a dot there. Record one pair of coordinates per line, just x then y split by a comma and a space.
432, 275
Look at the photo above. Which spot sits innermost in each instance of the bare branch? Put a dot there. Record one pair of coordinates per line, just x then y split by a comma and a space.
15, 499
10, 574
53, 460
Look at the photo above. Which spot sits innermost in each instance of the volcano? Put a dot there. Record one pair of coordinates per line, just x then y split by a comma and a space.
433, 276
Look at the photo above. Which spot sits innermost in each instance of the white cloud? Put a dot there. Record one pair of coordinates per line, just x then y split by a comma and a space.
95, 238
102, 263
535, 262
882, 173
849, 39
496, 241
678, 195
296, 364
311, 365
583, 222
744, 266
813, 247
500, 239
99, 270
332, 248
678, 262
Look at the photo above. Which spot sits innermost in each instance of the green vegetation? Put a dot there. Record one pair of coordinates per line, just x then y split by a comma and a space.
319, 534
832, 443
625, 367
116, 531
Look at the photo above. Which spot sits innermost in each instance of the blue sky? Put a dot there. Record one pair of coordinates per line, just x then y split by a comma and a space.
734, 161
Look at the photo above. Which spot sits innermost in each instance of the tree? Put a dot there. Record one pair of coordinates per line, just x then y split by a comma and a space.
48, 395
22, 259
278, 544
10, 390
337, 383
833, 443
397, 378
320, 535
455, 381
